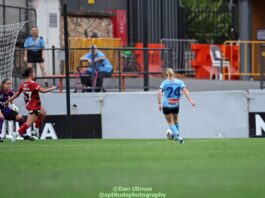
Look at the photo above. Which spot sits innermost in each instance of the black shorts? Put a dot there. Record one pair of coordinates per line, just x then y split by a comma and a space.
36, 112
167, 110
35, 56
11, 115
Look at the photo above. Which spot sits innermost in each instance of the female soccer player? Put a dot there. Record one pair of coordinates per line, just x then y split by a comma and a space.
8, 112
31, 90
172, 89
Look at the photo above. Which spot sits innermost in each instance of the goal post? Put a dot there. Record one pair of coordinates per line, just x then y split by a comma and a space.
8, 38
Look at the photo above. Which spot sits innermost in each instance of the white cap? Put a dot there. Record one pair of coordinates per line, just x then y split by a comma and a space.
95, 47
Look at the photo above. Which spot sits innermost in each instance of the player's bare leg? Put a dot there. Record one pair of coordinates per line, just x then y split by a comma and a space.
170, 122
170, 119
175, 117
20, 119
30, 120
38, 123
43, 112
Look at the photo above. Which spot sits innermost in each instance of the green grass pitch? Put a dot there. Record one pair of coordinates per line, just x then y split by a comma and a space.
84, 168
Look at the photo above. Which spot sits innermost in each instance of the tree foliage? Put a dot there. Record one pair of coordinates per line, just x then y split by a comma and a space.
209, 21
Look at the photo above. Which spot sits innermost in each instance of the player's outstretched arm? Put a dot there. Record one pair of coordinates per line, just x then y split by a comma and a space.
187, 94
45, 90
12, 98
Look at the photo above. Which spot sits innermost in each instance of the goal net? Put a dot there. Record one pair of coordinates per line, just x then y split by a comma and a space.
8, 37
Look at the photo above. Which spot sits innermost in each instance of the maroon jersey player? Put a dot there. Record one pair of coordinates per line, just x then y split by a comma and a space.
31, 90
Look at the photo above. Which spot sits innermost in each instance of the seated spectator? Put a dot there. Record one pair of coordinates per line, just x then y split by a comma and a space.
100, 67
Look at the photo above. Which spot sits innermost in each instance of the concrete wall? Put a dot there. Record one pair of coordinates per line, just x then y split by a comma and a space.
218, 114
55, 103
135, 115
132, 115
51, 34
257, 100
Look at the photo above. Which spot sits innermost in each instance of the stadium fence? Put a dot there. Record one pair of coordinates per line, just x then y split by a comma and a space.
127, 62
245, 58
182, 55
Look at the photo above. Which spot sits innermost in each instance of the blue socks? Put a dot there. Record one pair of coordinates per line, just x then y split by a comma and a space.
177, 125
174, 130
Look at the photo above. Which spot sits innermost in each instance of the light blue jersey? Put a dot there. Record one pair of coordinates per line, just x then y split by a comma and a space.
103, 66
172, 92
34, 44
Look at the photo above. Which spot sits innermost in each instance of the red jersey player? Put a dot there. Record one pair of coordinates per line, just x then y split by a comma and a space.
31, 90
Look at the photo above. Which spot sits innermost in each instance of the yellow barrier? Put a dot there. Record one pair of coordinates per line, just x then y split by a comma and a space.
75, 55
250, 51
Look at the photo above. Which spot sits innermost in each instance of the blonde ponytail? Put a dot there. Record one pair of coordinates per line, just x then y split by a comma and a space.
170, 74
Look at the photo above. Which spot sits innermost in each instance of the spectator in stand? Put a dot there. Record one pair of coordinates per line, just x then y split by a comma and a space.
99, 68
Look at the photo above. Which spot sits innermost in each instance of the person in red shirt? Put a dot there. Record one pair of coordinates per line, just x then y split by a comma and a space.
31, 90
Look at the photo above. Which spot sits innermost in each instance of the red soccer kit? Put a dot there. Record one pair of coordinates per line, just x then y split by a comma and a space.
30, 90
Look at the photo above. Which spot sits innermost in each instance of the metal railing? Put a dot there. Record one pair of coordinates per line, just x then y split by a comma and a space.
125, 63
244, 57
262, 57
182, 55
